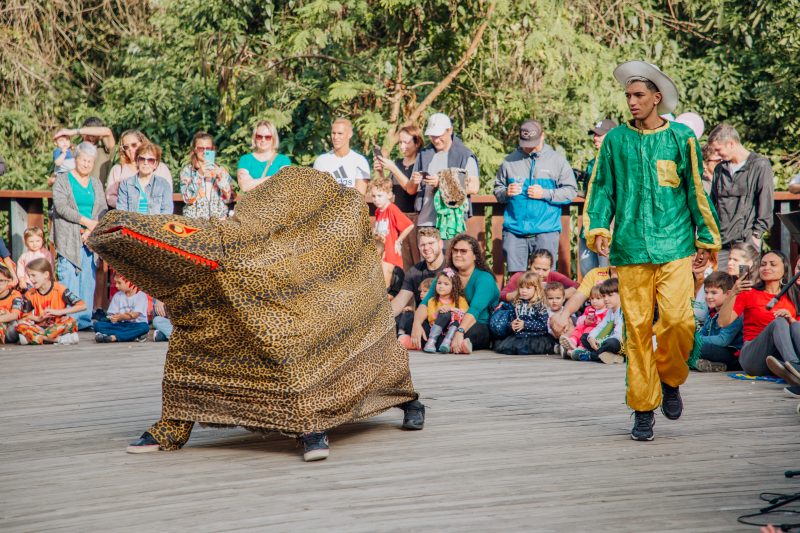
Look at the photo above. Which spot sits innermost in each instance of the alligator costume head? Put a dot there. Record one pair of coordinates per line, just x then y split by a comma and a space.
280, 312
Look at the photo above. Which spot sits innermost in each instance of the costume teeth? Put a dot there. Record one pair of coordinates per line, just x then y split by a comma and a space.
199, 260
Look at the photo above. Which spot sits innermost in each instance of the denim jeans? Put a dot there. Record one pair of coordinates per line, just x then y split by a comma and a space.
162, 324
587, 258
80, 281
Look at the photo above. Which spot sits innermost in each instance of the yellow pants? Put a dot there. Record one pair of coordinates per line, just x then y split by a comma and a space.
671, 285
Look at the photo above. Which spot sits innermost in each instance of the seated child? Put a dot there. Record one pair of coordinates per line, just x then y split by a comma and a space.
12, 305
526, 328
716, 349
34, 249
445, 310
555, 296
592, 315
50, 303
161, 322
405, 321
126, 318
63, 159
604, 343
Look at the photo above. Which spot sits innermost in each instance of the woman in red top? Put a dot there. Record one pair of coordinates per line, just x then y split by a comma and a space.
541, 263
766, 333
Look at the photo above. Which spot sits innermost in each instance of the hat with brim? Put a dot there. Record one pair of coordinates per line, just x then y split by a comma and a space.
642, 69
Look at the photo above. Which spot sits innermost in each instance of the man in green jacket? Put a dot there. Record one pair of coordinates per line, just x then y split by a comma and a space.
647, 178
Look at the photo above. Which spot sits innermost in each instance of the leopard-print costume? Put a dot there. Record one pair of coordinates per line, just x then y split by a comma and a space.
280, 312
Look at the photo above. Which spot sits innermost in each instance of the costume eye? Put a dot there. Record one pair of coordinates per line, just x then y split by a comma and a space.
181, 230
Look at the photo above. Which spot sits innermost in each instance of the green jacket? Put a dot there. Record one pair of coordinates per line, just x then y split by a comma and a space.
648, 182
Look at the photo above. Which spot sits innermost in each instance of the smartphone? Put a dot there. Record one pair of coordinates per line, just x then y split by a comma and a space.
743, 271
209, 157
424, 174
376, 151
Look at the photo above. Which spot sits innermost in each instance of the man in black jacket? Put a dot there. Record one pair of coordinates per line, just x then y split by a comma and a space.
742, 190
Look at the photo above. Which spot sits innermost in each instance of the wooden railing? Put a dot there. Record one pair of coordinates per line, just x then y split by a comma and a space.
28, 208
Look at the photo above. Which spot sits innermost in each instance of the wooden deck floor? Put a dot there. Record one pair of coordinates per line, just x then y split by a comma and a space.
511, 443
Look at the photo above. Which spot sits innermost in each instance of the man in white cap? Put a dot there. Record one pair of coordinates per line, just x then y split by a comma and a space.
647, 178
533, 181
445, 151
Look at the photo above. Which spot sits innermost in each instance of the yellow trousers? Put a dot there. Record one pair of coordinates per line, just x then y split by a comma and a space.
671, 285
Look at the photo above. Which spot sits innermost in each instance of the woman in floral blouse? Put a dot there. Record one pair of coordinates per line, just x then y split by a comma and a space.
205, 186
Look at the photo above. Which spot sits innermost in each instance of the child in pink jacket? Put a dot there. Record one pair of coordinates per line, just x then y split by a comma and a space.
591, 316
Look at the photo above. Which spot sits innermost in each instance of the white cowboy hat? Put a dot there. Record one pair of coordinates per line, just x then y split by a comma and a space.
642, 69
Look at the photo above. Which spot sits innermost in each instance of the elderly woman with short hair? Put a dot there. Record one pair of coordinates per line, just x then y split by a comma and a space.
78, 204
264, 161
146, 192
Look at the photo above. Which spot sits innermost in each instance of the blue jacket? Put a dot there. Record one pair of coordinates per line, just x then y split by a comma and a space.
728, 337
549, 169
158, 191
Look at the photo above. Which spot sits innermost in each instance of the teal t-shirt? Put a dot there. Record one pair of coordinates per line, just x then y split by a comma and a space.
255, 167
84, 196
143, 207
481, 293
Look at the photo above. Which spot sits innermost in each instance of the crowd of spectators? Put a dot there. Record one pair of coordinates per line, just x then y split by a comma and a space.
449, 301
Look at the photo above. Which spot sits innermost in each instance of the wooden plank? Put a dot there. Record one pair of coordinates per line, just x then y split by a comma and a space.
511, 443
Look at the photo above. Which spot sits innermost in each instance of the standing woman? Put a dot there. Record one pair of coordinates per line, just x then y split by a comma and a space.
146, 192
78, 204
130, 141
264, 161
404, 189
205, 187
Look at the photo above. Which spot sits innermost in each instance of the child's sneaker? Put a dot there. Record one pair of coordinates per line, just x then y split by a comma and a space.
404, 340
67, 338
159, 336
580, 354
611, 358
102, 337
566, 346
142, 338
315, 446
23, 340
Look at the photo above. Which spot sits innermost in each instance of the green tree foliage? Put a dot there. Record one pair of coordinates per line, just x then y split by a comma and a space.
174, 67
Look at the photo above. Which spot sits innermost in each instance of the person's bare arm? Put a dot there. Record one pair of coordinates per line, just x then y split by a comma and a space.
400, 301
361, 186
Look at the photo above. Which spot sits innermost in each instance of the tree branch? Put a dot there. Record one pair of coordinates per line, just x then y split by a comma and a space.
447, 80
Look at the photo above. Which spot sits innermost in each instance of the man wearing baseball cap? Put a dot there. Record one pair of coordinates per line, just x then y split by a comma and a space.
587, 259
445, 151
647, 179
534, 181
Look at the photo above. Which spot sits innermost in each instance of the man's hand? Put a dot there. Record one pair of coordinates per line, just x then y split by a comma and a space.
559, 323
513, 189
536, 192
601, 243
432, 180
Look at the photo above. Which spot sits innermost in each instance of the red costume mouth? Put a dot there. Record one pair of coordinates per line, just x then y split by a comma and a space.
198, 259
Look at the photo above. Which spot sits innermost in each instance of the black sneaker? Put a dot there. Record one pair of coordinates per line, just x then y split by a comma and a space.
671, 402
793, 391
643, 426
793, 368
142, 338
415, 415
146, 443
101, 337
159, 336
315, 446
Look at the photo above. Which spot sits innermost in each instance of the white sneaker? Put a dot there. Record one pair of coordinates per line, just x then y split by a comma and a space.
611, 358
75, 338
23, 340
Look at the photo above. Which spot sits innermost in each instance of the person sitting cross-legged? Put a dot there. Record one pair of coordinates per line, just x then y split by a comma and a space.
604, 342
716, 349
126, 318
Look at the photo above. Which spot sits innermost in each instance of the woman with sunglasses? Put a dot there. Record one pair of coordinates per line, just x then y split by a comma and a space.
264, 161
130, 141
205, 185
146, 192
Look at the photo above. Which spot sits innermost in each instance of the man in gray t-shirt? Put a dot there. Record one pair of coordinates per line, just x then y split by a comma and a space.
445, 151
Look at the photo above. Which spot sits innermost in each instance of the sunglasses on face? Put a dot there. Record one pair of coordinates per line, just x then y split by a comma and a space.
148, 160
462, 251
132, 145
263, 137
201, 149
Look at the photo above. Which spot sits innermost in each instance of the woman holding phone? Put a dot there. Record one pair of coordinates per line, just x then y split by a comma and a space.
264, 161
205, 185
403, 187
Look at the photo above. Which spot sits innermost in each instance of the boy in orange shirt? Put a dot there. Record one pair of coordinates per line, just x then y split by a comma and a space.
50, 302
11, 307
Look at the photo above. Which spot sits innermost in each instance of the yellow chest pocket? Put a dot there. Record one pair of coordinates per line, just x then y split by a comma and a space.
667, 173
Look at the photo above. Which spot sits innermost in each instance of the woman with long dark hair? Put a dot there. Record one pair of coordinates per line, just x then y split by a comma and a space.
480, 290
767, 333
